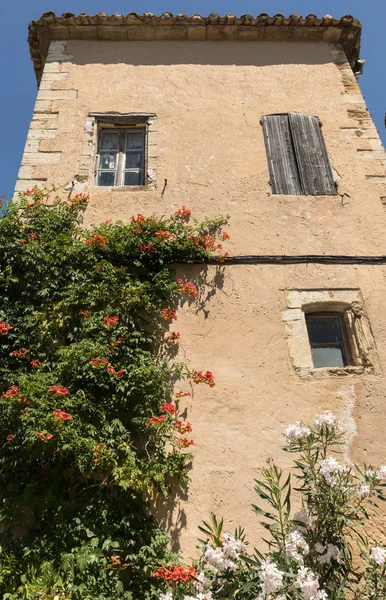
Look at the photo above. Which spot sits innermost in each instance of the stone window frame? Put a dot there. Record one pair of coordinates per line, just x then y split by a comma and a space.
94, 122
349, 303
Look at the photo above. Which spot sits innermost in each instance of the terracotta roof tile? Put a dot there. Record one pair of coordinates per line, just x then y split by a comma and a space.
69, 26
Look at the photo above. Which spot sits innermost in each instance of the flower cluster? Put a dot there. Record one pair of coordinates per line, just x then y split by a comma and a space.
168, 315
200, 377
327, 554
296, 546
58, 390
19, 353
99, 362
378, 555
96, 240
45, 437
60, 415
308, 583
206, 241
296, 431
332, 470
11, 393
188, 288
271, 578
183, 212
175, 574
4, 328
174, 336
114, 373
80, 200
163, 236
110, 322
146, 249
325, 419
169, 408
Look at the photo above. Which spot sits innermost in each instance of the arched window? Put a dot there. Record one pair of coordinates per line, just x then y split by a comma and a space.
297, 157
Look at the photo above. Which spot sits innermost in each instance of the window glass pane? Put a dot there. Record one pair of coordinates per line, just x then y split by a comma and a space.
107, 160
109, 140
328, 356
106, 178
133, 178
325, 329
134, 140
133, 160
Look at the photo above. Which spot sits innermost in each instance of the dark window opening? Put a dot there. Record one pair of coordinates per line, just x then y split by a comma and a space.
297, 156
327, 335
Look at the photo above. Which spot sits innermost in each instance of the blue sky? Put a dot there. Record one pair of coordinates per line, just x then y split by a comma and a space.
19, 85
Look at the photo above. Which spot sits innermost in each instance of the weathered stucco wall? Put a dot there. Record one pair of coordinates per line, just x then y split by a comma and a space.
208, 98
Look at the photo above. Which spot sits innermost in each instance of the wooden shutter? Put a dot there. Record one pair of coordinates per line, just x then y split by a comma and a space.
281, 160
311, 156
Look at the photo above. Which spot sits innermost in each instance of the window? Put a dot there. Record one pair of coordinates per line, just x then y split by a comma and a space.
328, 330
121, 157
327, 335
297, 157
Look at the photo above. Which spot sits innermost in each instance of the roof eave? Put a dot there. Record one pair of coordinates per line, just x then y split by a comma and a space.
345, 31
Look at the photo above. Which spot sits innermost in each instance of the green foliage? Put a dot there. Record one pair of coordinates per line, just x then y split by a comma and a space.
322, 552
81, 375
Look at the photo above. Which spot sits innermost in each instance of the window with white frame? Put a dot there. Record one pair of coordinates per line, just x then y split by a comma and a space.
121, 156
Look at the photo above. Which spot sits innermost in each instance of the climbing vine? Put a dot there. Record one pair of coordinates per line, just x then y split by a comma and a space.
89, 413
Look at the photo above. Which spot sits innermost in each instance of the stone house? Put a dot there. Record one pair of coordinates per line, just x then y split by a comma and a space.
261, 118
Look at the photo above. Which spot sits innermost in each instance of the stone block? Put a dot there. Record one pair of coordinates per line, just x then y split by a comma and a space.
41, 158
280, 34
229, 32
25, 184
332, 34
32, 146
197, 33
112, 33
51, 68
25, 172
251, 34
43, 106
58, 94
139, 32
176, 32
84, 32
309, 34
41, 134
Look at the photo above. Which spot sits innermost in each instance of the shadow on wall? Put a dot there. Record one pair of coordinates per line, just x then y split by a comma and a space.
167, 511
235, 53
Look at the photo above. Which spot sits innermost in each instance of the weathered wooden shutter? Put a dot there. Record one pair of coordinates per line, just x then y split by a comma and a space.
281, 160
311, 156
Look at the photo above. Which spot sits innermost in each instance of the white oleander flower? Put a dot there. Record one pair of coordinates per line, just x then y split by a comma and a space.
308, 583
303, 516
364, 491
378, 555
271, 579
325, 418
232, 547
332, 553
168, 596
216, 558
319, 548
296, 546
296, 431
381, 473
202, 583
330, 469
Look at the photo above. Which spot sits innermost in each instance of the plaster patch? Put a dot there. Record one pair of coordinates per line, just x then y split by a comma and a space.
349, 397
